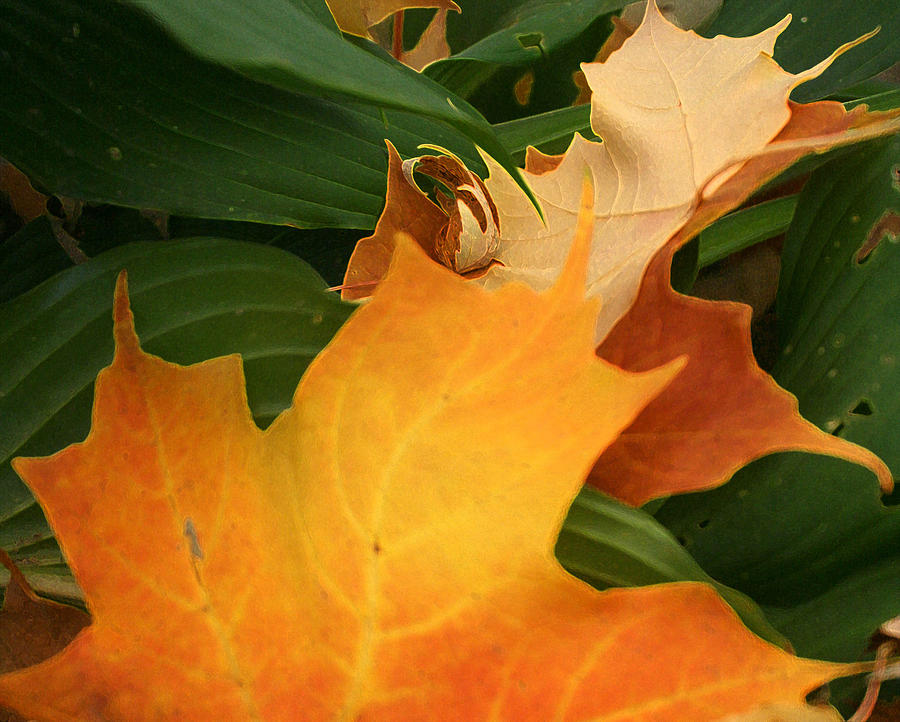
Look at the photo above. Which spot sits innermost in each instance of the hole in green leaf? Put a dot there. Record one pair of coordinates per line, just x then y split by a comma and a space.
863, 408
836, 431
531, 40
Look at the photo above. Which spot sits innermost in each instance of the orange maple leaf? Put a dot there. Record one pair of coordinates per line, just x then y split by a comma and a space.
384, 550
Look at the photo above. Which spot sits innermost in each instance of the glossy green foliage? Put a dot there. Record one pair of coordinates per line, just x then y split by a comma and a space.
610, 544
103, 106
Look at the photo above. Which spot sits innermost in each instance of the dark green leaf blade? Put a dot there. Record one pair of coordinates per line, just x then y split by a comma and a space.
550, 132
28, 257
285, 44
745, 227
101, 105
193, 299
610, 544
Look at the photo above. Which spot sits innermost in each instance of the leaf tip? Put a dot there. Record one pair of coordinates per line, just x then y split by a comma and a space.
817, 70
573, 278
123, 319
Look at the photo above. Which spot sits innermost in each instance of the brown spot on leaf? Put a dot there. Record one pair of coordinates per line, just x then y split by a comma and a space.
888, 224
190, 531
523, 87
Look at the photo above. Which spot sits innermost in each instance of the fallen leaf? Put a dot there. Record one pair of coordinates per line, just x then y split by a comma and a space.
722, 411
32, 629
357, 16
685, 14
676, 155
432, 45
26, 202
468, 219
384, 550
679, 115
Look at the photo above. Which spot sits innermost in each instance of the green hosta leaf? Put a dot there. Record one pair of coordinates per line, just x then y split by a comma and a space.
34, 254
193, 300
549, 40
609, 544
28, 257
550, 132
817, 29
797, 531
101, 105
286, 44
821, 628
744, 228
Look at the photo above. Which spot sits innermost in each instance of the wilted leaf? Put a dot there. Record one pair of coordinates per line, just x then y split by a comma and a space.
432, 44
820, 25
685, 14
462, 233
26, 202
691, 128
357, 16
723, 410
808, 536
679, 116
31, 629
384, 550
